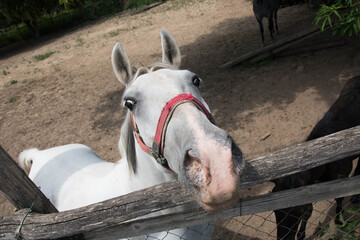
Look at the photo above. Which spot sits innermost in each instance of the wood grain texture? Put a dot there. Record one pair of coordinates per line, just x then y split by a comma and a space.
115, 217
18, 189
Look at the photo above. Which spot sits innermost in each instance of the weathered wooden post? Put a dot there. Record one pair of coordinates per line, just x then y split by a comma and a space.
18, 188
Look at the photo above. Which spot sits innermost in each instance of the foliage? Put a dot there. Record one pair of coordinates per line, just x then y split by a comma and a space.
43, 56
24, 19
70, 4
322, 230
343, 17
13, 98
27, 11
93, 5
349, 229
138, 3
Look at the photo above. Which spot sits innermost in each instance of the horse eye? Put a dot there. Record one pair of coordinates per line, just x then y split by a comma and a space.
129, 104
196, 80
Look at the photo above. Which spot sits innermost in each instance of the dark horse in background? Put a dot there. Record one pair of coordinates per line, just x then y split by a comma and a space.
266, 9
343, 114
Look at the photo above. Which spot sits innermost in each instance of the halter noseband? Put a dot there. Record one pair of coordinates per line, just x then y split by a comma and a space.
157, 150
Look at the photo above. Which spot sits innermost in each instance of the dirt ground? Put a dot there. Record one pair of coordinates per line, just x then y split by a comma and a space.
73, 96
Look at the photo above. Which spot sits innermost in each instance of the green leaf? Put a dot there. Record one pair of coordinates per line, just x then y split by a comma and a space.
347, 30
341, 219
356, 31
323, 25
329, 20
337, 14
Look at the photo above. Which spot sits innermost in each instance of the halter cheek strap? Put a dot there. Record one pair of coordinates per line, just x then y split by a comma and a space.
157, 150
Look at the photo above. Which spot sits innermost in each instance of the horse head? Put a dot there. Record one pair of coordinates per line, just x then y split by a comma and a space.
172, 123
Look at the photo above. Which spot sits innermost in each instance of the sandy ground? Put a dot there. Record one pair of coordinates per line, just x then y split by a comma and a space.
73, 96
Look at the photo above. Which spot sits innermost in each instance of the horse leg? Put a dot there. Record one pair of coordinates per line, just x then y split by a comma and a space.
305, 218
356, 198
275, 19
261, 31
287, 223
339, 210
271, 26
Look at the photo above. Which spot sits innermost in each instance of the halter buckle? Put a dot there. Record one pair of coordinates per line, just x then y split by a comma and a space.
159, 157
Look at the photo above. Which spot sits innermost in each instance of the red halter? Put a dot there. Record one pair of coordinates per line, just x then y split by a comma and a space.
157, 148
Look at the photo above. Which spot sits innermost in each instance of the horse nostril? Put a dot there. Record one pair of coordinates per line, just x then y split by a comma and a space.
195, 171
190, 157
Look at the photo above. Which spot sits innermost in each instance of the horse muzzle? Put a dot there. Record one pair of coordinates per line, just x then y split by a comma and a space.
214, 175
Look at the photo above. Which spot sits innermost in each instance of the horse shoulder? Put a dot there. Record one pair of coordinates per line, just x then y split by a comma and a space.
86, 186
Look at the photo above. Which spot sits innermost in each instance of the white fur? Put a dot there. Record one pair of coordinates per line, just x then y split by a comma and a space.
25, 158
73, 176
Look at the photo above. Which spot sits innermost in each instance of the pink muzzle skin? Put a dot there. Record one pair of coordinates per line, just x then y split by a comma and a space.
157, 150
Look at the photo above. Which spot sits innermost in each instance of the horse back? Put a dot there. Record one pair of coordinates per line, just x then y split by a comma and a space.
264, 8
67, 170
343, 114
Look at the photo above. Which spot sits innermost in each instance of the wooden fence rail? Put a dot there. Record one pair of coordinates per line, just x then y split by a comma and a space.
115, 218
275, 47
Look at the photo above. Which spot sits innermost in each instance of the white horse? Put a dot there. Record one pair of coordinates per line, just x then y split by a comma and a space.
165, 111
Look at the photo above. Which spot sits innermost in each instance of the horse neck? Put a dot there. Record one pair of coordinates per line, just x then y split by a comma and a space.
146, 165
147, 173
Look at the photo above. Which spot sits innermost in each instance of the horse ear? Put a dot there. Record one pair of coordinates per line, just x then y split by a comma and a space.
121, 64
170, 50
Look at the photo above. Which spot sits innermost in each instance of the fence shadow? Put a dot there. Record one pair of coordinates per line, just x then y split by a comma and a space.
109, 114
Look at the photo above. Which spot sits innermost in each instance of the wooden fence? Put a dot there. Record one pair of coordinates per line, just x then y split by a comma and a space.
119, 217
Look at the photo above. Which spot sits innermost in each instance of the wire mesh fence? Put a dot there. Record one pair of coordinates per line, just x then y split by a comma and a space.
321, 225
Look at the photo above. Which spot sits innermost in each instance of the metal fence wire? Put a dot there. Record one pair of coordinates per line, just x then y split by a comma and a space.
321, 225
